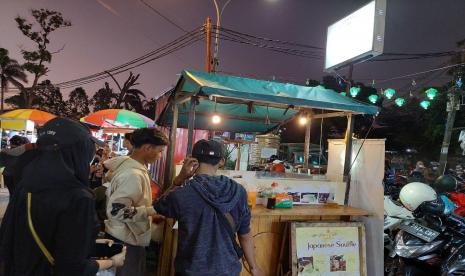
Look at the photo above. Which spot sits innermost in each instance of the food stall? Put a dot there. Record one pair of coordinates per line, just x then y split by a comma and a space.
215, 102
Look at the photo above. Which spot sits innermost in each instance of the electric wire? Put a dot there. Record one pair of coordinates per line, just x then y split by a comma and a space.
163, 16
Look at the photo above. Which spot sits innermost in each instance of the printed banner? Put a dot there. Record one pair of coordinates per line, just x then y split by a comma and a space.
332, 251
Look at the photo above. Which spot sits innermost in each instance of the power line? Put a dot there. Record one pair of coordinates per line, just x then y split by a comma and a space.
163, 16
184, 40
422, 72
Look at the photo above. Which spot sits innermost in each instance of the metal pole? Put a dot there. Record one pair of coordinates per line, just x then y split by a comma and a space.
307, 141
208, 28
349, 131
452, 110
190, 126
348, 156
170, 170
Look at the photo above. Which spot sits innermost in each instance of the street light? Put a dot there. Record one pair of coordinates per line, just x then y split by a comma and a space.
218, 24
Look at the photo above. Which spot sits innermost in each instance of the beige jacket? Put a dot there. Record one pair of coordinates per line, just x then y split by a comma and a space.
129, 201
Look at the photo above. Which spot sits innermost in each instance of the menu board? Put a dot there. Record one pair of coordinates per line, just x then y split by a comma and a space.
328, 249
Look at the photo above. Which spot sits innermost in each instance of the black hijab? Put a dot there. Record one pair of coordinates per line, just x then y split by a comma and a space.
65, 149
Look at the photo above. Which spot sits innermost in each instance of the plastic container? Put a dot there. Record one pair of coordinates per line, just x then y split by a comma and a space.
252, 199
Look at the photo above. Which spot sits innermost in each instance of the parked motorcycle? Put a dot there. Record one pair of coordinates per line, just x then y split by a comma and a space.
423, 244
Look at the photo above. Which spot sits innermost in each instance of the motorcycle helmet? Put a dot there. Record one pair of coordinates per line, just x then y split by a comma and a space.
445, 184
415, 193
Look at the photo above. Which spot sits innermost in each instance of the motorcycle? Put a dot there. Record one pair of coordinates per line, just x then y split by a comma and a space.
394, 214
424, 243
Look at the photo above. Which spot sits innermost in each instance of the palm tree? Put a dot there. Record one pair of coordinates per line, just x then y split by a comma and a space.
10, 71
128, 97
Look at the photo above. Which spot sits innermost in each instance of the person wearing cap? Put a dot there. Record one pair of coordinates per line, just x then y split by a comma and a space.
50, 225
205, 242
129, 200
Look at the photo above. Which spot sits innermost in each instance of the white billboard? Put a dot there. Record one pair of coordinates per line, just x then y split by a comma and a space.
356, 37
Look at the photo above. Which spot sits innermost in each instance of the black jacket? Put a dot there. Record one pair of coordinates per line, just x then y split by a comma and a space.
62, 211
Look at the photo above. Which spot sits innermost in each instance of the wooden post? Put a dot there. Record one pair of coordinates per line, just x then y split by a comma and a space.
307, 142
190, 126
238, 161
348, 156
170, 169
208, 29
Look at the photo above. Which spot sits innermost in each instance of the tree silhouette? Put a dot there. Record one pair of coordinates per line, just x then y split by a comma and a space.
103, 99
10, 70
77, 106
47, 21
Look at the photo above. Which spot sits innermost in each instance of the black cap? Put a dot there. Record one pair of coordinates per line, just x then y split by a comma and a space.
61, 132
210, 148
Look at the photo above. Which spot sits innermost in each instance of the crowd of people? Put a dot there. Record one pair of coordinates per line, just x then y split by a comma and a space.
69, 198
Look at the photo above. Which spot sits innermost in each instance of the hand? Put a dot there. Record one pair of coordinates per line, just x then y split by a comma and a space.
118, 259
99, 171
158, 219
257, 272
105, 241
188, 169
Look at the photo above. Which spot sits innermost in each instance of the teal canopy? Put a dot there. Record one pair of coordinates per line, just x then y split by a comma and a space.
250, 105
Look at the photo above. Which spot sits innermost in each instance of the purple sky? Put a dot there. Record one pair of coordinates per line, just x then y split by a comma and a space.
106, 33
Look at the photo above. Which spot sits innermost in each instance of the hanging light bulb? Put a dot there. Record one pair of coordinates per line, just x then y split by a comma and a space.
373, 98
425, 104
389, 93
354, 91
216, 118
303, 119
399, 102
431, 93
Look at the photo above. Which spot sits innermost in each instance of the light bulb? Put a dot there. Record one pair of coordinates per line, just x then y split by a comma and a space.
216, 119
303, 120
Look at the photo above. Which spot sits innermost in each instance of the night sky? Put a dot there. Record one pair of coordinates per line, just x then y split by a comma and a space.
106, 33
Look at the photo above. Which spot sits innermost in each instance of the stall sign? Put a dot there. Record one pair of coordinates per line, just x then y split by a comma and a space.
332, 249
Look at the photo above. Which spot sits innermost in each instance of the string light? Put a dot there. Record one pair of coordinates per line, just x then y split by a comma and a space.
425, 104
354, 91
399, 102
431, 93
389, 93
373, 98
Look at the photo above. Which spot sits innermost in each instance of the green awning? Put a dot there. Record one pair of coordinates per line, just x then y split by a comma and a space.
273, 102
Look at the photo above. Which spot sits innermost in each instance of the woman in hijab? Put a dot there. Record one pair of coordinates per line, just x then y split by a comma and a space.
50, 225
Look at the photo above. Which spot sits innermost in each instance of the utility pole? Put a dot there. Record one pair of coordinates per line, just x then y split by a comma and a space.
453, 106
208, 56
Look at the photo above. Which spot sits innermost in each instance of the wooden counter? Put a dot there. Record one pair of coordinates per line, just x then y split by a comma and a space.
270, 232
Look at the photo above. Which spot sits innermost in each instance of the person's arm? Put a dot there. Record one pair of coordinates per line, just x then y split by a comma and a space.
247, 244
121, 201
245, 235
166, 205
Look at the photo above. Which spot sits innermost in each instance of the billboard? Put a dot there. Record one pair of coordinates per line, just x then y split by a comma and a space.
356, 37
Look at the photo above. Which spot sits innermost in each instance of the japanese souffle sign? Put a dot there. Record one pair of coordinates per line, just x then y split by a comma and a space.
332, 251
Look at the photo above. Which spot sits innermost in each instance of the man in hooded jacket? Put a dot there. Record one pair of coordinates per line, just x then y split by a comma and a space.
204, 246
50, 224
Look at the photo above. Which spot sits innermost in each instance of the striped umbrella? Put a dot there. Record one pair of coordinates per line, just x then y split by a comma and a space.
37, 116
118, 118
